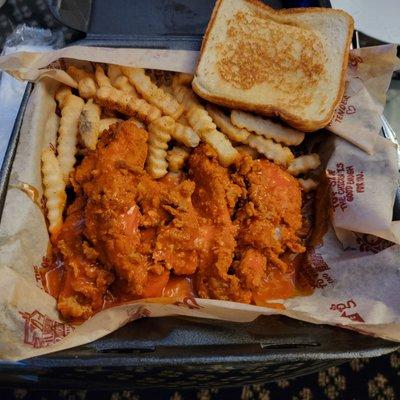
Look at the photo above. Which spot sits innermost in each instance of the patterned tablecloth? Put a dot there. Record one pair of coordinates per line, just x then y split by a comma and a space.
360, 379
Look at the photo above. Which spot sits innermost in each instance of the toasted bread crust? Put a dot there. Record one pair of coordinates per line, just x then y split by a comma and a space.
270, 110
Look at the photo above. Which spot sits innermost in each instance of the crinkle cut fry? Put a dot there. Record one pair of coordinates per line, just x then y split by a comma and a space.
203, 125
185, 135
89, 124
105, 123
308, 184
78, 74
177, 157
159, 136
224, 123
126, 104
122, 83
87, 88
152, 93
113, 72
101, 77
61, 94
54, 190
303, 164
71, 108
267, 128
185, 95
273, 151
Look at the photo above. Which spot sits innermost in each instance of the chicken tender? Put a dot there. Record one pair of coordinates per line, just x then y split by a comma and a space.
251, 218
85, 280
214, 198
233, 231
271, 218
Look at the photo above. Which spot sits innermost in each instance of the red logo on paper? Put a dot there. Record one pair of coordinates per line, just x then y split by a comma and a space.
354, 61
137, 313
36, 272
189, 302
343, 109
46, 264
372, 243
345, 312
57, 64
314, 272
42, 331
344, 182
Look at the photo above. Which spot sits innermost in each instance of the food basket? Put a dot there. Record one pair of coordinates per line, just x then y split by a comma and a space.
176, 351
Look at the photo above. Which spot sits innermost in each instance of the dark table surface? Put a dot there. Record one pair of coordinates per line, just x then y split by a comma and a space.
360, 379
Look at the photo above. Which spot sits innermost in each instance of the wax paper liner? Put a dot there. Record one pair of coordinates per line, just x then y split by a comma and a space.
358, 116
355, 285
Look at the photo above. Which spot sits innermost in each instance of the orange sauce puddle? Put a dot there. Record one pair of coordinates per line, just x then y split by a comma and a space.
168, 289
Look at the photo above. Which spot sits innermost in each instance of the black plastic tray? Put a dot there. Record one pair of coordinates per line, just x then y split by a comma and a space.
176, 351
172, 24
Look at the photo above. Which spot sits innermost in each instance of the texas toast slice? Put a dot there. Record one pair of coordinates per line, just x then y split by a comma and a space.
288, 63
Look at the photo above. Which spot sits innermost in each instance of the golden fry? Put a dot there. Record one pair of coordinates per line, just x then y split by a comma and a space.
185, 135
308, 184
159, 135
199, 120
126, 104
71, 108
177, 157
105, 123
225, 125
54, 190
78, 73
61, 94
89, 124
122, 83
101, 77
152, 93
267, 128
203, 125
303, 164
87, 88
113, 72
51, 129
273, 151
185, 95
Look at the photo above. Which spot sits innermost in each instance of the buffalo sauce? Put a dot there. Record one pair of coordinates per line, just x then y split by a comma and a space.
165, 285
276, 285
279, 285
53, 273
52, 277
130, 220
179, 286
